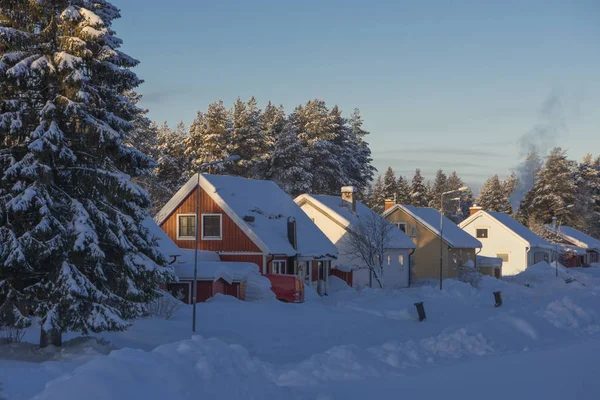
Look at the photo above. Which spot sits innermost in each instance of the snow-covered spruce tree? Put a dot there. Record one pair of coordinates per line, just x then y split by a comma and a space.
247, 139
272, 122
587, 178
390, 188
316, 134
419, 196
210, 137
173, 166
493, 196
289, 163
376, 201
458, 210
402, 190
72, 244
509, 185
359, 170
554, 188
440, 185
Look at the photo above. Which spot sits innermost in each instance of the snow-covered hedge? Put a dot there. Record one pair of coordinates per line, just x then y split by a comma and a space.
165, 306
469, 274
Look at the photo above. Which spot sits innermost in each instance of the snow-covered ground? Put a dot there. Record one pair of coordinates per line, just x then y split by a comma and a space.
544, 342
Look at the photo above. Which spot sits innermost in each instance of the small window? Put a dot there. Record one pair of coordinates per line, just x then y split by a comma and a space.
186, 226
389, 260
503, 256
413, 231
279, 267
401, 226
211, 226
401, 260
482, 233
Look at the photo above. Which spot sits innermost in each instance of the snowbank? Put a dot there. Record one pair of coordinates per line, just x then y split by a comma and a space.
191, 369
543, 274
335, 285
258, 288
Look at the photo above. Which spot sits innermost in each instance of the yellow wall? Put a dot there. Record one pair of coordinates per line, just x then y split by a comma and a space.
427, 254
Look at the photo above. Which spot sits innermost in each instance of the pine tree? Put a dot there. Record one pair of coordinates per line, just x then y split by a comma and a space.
402, 190
289, 163
272, 122
587, 197
526, 173
377, 199
390, 188
440, 185
554, 188
210, 137
509, 185
493, 196
360, 171
419, 196
247, 139
72, 243
316, 135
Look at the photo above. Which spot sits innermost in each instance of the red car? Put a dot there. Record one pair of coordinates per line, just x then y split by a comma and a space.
287, 288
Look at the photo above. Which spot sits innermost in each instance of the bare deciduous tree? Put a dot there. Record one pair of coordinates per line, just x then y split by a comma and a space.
367, 242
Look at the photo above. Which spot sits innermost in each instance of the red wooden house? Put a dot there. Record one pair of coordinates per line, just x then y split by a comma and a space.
248, 220
578, 248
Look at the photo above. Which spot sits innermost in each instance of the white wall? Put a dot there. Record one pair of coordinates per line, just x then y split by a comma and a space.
394, 274
500, 240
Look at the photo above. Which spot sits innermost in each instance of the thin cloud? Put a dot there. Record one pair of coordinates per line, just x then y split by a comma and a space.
444, 150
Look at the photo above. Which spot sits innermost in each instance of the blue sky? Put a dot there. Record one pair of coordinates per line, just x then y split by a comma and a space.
440, 84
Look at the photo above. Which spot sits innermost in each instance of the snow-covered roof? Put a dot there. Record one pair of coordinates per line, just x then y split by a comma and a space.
188, 255
566, 248
519, 229
430, 218
334, 207
268, 204
166, 246
484, 261
215, 270
576, 237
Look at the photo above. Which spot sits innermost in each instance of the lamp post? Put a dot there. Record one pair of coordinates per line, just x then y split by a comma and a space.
195, 289
461, 189
557, 231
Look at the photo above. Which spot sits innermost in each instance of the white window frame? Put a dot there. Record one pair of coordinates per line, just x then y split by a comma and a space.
405, 226
278, 263
220, 237
186, 237
401, 260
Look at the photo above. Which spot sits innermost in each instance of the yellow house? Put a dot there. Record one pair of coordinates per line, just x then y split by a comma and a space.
423, 226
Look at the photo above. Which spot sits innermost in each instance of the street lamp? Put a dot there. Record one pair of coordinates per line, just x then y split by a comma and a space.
195, 289
461, 189
556, 232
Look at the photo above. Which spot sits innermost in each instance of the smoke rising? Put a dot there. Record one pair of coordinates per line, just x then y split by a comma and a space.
537, 142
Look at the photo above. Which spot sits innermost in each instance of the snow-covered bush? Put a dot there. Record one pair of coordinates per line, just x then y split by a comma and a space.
11, 334
469, 274
166, 305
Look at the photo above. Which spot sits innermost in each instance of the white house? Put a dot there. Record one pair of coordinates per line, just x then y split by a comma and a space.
335, 216
504, 237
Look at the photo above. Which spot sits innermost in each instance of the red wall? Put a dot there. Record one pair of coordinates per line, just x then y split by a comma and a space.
234, 239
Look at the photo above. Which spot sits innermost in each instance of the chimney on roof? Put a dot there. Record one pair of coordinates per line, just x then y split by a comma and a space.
349, 197
475, 208
389, 203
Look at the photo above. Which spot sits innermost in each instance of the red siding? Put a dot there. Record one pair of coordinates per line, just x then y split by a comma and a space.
345, 276
234, 239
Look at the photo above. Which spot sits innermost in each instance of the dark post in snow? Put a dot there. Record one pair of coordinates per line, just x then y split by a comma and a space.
421, 311
498, 299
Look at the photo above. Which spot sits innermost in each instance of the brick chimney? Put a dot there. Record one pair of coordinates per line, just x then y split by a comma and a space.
474, 209
349, 197
389, 203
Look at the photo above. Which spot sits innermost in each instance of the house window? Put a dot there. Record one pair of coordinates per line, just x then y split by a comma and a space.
186, 226
482, 233
401, 260
401, 226
279, 267
503, 256
389, 260
211, 226
413, 231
